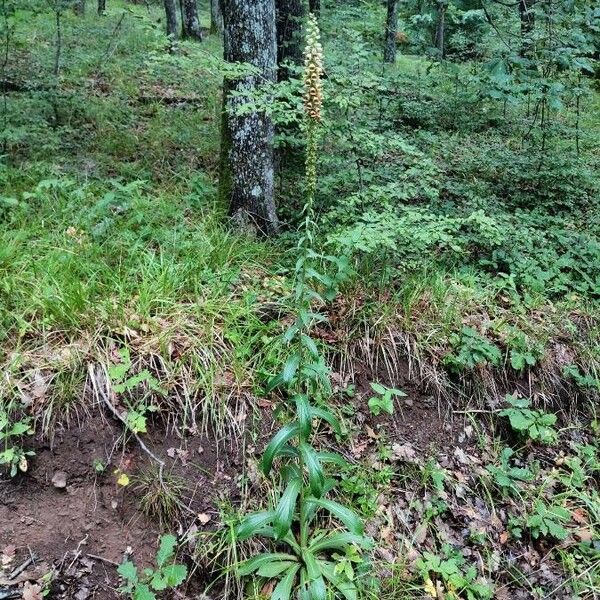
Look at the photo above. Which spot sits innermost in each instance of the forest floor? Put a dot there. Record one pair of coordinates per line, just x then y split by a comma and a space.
122, 287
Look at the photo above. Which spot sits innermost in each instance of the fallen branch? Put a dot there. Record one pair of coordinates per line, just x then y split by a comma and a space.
105, 398
18, 570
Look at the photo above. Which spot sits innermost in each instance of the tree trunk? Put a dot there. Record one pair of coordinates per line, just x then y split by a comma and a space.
440, 29
216, 17
101, 7
290, 17
314, 6
527, 18
391, 29
247, 170
171, 14
190, 23
79, 7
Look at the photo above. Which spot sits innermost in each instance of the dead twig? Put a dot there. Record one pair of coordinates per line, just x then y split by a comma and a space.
104, 395
18, 570
102, 559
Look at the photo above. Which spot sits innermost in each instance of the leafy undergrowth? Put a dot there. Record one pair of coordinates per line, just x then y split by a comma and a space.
487, 504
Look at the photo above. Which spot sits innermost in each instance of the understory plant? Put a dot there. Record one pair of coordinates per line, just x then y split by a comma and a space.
312, 558
166, 576
12, 428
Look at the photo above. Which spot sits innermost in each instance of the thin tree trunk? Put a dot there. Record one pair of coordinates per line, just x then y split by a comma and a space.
79, 8
171, 15
290, 17
391, 29
314, 6
216, 17
247, 170
101, 7
190, 23
527, 18
440, 30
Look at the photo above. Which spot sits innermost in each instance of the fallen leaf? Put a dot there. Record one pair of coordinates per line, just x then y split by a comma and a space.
371, 433
429, 589
583, 535
405, 452
420, 534
8, 555
580, 516
32, 591
203, 518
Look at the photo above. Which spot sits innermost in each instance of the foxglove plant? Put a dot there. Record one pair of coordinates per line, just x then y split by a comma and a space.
304, 563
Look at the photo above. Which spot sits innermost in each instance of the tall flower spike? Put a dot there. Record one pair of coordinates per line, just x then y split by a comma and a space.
313, 70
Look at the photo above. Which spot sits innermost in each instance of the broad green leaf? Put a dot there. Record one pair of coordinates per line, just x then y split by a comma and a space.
556, 530
345, 587
283, 590
304, 413
290, 367
312, 566
282, 437
286, 507
275, 568
316, 478
127, 570
19, 428
345, 515
252, 524
310, 344
158, 582
378, 388
325, 415
175, 574
318, 589
253, 564
142, 592
333, 458
166, 549
339, 541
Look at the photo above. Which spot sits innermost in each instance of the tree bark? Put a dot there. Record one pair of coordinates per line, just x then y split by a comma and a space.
290, 17
216, 17
527, 18
440, 29
391, 29
101, 7
190, 23
247, 169
79, 7
171, 14
314, 6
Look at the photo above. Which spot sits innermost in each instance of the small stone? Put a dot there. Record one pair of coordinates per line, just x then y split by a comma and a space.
59, 480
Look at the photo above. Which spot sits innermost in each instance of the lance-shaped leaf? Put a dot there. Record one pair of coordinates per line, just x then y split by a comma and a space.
316, 478
262, 560
333, 458
282, 437
304, 412
339, 541
275, 568
290, 367
252, 524
345, 515
345, 587
283, 590
321, 413
318, 589
284, 512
